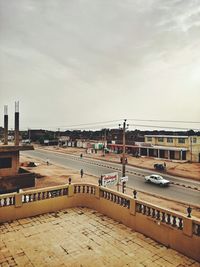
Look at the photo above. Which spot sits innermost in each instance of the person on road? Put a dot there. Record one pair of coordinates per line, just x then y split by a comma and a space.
47, 161
81, 172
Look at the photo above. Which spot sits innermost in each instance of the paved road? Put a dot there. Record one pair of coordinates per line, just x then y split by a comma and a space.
136, 179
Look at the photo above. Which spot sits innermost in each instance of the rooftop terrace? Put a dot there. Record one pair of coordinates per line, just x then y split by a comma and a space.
81, 237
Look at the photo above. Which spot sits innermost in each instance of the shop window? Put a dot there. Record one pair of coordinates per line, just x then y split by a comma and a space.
5, 163
149, 139
160, 139
194, 140
169, 140
181, 140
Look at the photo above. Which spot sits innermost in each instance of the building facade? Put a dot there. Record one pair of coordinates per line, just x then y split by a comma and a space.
184, 148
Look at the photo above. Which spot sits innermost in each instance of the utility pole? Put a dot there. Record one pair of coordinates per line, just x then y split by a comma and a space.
191, 148
104, 146
124, 160
58, 136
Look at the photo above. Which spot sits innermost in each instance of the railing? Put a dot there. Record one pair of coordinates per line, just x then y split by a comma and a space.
45, 194
125, 209
116, 198
159, 214
82, 189
7, 200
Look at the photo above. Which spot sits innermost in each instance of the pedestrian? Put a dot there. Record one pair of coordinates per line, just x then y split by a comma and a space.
47, 161
165, 165
81, 172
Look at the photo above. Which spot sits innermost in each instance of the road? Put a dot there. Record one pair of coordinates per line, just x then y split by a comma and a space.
136, 175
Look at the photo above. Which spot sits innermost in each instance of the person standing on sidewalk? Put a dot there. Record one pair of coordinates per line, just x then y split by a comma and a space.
81, 172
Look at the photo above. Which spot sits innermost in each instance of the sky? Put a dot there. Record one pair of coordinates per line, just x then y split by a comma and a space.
70, 62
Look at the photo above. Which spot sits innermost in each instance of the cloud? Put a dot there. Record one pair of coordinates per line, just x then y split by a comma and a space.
112, 57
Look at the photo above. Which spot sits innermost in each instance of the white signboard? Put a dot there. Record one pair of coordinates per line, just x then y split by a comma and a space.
110, 179
124, 179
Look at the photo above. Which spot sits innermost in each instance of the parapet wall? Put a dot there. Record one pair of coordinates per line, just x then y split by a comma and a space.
172, 229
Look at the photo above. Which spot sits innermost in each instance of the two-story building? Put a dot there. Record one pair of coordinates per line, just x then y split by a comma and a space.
184, 148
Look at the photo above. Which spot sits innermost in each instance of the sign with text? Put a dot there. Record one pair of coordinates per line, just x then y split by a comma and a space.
110, 179
124, 179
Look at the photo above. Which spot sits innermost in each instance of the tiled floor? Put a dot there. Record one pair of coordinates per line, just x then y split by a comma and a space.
81, 237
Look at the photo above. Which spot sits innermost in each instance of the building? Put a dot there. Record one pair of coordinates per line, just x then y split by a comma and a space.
12, 177
184, 148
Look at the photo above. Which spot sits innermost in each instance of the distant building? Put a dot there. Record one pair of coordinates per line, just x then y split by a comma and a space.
171, 147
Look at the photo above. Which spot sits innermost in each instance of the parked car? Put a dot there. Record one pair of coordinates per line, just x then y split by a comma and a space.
159, 167
157, 179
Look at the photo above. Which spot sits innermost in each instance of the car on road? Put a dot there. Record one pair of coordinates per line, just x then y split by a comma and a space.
156, 179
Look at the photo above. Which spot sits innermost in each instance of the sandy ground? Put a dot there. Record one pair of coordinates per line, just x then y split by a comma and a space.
186, 170
53, 175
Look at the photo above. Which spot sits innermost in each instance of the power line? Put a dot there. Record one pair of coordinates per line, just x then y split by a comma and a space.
165, 121
162, 127
81, 124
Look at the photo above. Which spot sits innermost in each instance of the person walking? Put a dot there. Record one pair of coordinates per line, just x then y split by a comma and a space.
81, 172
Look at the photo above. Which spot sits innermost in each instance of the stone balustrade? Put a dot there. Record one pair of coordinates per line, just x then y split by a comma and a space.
170, 228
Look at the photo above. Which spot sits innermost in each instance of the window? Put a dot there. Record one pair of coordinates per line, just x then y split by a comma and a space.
5, 163
194, 139
169, 140
181, 140
160, 139
149, 139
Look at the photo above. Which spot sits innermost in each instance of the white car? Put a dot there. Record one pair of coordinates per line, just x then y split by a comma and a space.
157, 179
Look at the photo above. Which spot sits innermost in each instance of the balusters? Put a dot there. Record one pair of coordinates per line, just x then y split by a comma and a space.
196, 229
168, 219
174, 221
180, 223
158, 215
153, 213
65, 191
163, 216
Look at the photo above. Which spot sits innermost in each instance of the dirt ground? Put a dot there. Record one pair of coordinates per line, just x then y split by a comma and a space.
52, 175
186, 170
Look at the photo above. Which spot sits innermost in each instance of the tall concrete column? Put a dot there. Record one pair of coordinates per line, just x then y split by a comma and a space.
147, 152
5, 125
140, 151
168, 154
158, 153
16, 123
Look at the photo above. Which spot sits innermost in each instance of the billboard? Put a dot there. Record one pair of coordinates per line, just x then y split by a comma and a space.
110, 179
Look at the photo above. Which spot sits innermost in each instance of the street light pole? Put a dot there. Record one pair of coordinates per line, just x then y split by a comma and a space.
123, 155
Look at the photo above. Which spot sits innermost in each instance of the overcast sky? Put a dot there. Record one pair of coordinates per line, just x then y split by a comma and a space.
81, 61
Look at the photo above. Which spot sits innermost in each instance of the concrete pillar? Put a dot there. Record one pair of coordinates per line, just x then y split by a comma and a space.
16, 123
158, 153
181, 154
133, 206
5, 125
140, 151
70, 190
147, 152
18, 200
97, 192
187, 226
168, 154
